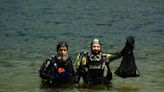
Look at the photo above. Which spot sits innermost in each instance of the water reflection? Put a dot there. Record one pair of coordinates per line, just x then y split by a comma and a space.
75, 87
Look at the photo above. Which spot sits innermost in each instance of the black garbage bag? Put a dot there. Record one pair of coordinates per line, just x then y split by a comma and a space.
128, 66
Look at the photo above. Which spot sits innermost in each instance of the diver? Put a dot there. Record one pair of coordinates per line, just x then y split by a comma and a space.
93, 66
58, 69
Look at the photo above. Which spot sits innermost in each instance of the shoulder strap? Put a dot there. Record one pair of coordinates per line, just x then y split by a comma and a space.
53, 58
49, 61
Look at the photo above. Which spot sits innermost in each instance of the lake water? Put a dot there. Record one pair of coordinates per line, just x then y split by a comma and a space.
30, 30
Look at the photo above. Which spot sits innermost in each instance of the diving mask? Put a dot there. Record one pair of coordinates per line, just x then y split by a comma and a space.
95, 57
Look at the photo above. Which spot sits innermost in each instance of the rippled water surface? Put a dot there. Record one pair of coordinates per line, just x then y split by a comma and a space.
30, 30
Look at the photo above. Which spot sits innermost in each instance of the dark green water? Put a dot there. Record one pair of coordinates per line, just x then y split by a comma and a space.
30, 30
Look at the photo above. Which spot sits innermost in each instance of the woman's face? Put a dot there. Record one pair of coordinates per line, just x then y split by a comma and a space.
96, 48
62, 51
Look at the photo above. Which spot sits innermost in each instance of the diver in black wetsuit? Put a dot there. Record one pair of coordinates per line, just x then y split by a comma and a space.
93, 66
58, 69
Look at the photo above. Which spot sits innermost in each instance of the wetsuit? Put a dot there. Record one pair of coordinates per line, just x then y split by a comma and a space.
55, 70
95, 69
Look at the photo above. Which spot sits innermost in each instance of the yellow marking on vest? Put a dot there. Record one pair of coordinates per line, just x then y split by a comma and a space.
84, 61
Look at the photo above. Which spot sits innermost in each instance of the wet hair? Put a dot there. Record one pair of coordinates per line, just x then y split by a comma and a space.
61, 44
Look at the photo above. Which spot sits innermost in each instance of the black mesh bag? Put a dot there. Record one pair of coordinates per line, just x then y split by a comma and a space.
128, 66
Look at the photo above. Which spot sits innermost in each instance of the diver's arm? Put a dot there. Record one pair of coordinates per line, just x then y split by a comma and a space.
72, 71
113, 56
42, 72
70, 67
